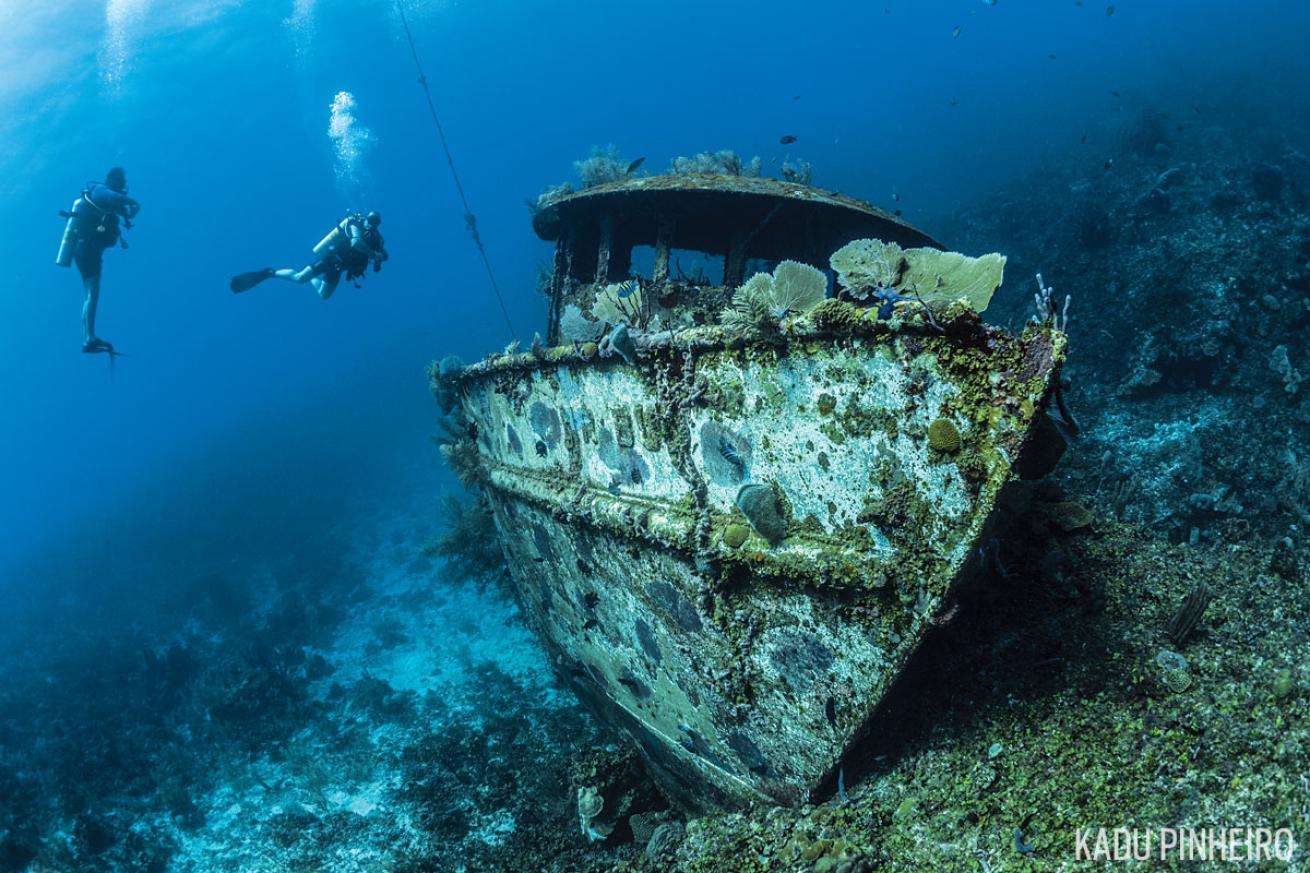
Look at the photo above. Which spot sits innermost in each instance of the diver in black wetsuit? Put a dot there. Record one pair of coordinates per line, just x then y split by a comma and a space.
93, 227
348, 248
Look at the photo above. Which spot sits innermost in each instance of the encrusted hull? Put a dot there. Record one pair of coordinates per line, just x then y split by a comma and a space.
745, 659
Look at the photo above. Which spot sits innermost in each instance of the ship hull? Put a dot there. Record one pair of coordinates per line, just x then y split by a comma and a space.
732, 551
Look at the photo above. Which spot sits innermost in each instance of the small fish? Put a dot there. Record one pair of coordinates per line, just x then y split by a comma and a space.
954, 103
730, 454
990, 2
1116, 93
795, 96
632, 167
955, 34
1109, 162
896, 196
1084, 139
787, 140
1109, 10
1051, 56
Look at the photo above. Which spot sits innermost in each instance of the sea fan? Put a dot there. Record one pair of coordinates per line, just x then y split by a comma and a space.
764, 300
797, 288
622, 303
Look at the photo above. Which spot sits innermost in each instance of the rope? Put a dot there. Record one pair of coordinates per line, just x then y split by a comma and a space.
470, 219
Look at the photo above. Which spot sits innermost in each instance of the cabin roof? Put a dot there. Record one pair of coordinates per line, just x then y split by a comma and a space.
707, 210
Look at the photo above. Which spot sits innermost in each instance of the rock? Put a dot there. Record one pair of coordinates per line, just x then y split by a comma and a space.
760, 506
1170, 660
1284, 683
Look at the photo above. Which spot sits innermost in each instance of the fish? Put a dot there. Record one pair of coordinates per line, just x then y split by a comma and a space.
731, 455
1084, 139
787, 140
1051, 56
896, 196
632, 167
956, 32
1109, 162
795, 96
1109, 10
954, 103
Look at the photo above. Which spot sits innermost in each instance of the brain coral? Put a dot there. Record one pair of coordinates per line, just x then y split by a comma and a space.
943, 437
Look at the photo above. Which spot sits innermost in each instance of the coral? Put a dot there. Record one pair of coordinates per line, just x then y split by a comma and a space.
575, 327
463, 459
799, 172
1189, 614
602, 166
866, 265
553, 193
749, 315
734, 535
797, 288
763, 300
622, 303
664, 840
720, 163
1069, 516
590, 805
835, 316
468, 543
644, 824
444, 378
1281, 364
943, 437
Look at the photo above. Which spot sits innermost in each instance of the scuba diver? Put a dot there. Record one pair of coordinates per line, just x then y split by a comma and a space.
348, 248
93, 227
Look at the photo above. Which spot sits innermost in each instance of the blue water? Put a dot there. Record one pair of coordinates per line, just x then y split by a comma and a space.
220, 113
237, 430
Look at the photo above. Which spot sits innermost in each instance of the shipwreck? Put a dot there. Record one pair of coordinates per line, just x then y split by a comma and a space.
734, 502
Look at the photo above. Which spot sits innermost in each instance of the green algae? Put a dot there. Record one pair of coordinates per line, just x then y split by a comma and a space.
1089, 739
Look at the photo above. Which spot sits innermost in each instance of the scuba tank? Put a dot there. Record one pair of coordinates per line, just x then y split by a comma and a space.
338, 238
69, 241
79, 216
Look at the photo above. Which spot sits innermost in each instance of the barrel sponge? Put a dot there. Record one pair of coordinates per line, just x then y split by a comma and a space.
933, 276
943, 437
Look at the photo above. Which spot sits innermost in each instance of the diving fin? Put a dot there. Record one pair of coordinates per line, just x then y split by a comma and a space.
99, 346
246, 281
